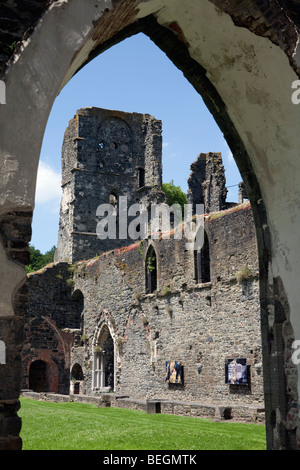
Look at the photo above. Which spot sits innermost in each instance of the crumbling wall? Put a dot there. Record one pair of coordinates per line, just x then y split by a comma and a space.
199, 325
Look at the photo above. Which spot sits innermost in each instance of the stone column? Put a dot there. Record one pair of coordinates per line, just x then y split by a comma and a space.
14, 238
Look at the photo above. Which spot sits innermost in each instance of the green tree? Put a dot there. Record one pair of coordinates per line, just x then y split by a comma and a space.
174, 194
38, 260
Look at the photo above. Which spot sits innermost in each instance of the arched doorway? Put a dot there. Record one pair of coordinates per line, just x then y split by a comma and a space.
38, 376
103, 361
245, 80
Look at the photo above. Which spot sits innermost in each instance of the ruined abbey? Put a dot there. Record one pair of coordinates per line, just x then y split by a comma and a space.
132, 322
243, 58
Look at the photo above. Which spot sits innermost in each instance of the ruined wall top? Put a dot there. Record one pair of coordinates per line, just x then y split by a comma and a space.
207, 183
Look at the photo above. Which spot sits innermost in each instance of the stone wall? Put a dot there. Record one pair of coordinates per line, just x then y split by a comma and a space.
52, 325
199, 325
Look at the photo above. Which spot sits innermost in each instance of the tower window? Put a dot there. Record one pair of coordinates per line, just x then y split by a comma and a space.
141, 177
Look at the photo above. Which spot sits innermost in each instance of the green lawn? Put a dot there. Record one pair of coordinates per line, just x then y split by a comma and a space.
77, 426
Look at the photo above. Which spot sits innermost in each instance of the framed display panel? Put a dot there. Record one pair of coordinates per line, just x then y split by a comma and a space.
174, 372
236, 371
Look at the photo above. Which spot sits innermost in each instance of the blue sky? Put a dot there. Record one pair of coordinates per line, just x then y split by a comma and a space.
133, 76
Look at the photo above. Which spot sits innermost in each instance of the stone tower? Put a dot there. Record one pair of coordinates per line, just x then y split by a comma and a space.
105, 155
207, 183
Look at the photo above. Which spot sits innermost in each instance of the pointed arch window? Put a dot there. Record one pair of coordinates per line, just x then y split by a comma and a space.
151, 271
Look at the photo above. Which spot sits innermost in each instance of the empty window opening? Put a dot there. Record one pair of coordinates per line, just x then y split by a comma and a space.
141, 177
76, 378
202, 262
151, 271
76, 372
77, 310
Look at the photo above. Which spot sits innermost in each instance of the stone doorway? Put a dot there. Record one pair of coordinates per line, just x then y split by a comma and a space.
38, 376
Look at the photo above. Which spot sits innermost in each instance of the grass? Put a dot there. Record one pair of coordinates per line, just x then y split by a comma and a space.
78, 426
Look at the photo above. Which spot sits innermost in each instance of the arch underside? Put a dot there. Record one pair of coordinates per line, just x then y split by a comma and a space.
235, 77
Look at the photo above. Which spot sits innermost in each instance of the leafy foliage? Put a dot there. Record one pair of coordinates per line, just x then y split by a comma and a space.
38, 260
174, 194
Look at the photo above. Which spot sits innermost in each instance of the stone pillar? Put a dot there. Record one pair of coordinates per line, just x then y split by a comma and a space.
15, 234
242, 193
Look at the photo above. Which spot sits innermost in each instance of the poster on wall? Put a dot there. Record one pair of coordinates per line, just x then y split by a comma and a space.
236, 371
174, 372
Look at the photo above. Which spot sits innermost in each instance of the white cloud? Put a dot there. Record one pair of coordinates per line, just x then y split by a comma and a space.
230, 157
48, 187
165, 144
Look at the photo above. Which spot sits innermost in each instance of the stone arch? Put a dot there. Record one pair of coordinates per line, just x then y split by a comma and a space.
76, 378
43, 374
245, 80
76, 371
49, 344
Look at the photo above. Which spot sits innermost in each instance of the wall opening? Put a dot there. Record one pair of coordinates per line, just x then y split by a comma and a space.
76, 379
151, 270
141, 177
78, 299
38, 376
202, 262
